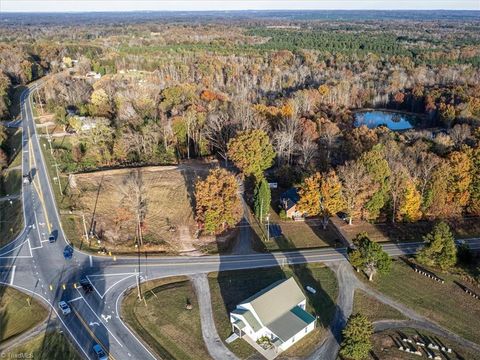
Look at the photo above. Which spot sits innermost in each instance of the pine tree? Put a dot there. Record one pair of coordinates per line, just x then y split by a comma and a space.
262, 199
440, 249
357, 335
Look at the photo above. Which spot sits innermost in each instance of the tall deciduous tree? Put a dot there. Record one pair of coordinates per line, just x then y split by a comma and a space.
440, 249
218, 205
474, 206
369, 256
357, 187
252, 152
357, 335
262, 199
377, 167
321, 195
410, 203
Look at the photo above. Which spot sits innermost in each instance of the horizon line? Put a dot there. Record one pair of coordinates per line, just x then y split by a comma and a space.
225, 11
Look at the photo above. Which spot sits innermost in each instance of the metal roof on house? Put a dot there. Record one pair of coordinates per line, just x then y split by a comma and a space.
249, 318
276, 300
291, 323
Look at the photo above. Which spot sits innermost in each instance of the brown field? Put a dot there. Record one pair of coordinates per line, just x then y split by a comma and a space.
169, 223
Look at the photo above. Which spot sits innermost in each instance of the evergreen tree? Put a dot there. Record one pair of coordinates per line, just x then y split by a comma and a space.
357, 342
440, 249
262, 199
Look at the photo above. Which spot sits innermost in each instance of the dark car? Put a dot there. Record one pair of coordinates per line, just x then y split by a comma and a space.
86, 285
99, 352
68, 252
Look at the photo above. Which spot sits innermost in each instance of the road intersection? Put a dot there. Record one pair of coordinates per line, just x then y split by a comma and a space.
34, 265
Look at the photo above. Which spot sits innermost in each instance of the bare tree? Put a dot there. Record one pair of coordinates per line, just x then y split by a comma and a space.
459, 134
133, 190
218, 130
357, 187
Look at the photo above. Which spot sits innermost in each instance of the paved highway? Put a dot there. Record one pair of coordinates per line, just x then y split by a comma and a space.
32, 264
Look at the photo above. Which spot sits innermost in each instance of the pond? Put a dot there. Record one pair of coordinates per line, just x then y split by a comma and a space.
392, 120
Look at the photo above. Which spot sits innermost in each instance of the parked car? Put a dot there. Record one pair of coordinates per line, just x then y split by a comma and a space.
52, 238
86, 285
68, 252
311, 290
99, 352
64, 308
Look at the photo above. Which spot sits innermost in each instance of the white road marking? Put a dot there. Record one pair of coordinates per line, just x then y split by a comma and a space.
91, 260
106, 318
92, 323
58, 316
105, 293
126, 327
13, 274
86, 302
77, 298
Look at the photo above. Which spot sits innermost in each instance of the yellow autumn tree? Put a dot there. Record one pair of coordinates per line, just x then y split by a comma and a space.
321, 195
218, 205
461, 177
410, 203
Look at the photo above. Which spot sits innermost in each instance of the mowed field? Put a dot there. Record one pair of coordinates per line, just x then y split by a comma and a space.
447, 304
106, 197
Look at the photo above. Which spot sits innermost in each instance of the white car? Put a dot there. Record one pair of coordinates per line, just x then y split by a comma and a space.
64, 308
311, 290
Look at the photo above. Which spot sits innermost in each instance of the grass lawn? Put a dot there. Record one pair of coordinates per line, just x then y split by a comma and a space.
462, 228
295, 234
445, 303
11, 182
385, 345
11, 220
171, 330
16, 316
50, 346
373, 309
228, 288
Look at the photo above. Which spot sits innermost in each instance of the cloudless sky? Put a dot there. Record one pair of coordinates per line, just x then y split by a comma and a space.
198, 5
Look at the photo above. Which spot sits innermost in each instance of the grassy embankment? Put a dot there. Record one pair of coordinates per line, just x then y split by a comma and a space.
46, 346
16, 316
447, 304
163, 321
228, 288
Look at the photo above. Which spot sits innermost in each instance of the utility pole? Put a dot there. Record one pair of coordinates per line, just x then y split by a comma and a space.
268, 227
85, 228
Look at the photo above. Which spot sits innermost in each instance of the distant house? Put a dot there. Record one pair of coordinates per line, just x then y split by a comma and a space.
93, 75
288, 201
276, 315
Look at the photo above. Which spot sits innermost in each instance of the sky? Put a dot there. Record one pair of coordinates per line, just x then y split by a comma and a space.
199, 5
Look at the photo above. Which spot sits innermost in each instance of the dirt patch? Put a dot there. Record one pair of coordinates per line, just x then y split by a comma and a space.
106, 199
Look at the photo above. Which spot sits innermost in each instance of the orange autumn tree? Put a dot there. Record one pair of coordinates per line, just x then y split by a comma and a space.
321, 195
218, 205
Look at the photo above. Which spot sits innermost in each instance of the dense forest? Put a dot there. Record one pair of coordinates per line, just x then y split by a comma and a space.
169, 90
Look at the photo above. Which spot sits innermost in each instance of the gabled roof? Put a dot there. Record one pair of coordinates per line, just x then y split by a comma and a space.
291, 323
249, 318
291, 198
275, 300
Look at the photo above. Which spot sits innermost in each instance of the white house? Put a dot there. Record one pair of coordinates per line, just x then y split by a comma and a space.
277, 313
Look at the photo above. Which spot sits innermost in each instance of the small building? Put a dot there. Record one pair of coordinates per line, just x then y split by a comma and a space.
288, 201
93, 75
274, 318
